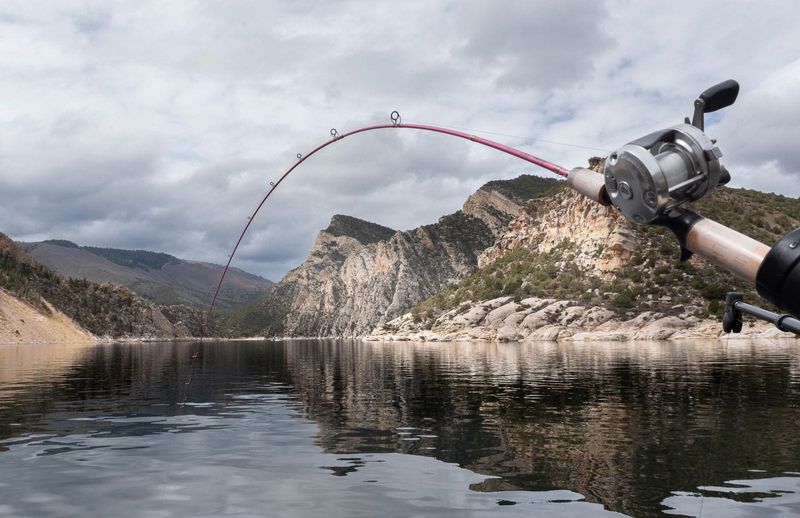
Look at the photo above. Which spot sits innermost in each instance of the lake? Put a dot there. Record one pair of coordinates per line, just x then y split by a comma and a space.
347, 428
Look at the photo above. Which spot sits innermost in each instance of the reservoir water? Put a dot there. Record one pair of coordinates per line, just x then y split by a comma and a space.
340, 428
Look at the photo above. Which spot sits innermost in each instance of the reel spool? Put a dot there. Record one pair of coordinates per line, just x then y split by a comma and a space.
647, 178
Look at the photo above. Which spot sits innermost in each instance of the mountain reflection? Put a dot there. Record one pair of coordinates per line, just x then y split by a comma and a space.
625, 425
622, 424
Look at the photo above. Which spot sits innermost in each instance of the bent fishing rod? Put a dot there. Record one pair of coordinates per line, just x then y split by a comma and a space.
650, 180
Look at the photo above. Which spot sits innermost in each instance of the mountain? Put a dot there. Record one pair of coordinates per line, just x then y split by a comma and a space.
38, 304
159, 277
360, 274
524, 259
569, 269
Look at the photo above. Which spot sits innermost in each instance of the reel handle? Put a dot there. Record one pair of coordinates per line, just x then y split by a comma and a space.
715, 98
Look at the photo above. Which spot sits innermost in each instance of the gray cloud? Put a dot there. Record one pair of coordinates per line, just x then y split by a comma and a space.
527, 45
159, 125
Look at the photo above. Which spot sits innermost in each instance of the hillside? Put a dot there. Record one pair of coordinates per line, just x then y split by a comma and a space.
571, 269
64, 307
159, 277
359, 274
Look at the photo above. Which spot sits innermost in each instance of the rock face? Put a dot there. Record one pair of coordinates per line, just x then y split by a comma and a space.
603, 239
349, 283
569, 269
360, 274
554, 267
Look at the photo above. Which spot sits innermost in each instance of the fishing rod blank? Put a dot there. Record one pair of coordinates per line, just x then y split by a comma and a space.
587, 182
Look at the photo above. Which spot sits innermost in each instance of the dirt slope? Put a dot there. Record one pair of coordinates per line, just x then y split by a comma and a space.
22, 323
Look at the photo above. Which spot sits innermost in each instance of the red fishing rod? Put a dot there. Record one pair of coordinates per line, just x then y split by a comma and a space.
396, 122
650, 180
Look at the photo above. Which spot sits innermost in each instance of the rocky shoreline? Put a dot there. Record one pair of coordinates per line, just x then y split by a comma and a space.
541, 319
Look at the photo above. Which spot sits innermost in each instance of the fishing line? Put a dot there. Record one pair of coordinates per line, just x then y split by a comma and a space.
535, 139
396, 122
715, 422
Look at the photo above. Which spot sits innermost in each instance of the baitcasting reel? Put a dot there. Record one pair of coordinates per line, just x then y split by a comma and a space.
652, 175
650, 179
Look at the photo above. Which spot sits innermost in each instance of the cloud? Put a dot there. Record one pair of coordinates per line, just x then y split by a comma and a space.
159, 125
532, 45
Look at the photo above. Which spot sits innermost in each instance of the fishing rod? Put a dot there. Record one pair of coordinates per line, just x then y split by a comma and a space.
650, 180
396, 122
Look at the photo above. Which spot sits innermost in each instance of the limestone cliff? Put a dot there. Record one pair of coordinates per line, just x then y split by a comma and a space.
523, 259
569, 269
360, 274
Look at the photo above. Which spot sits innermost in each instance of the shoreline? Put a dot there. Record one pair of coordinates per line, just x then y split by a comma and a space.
540, 319
433, 338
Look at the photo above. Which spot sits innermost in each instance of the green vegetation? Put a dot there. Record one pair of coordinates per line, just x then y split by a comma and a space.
522, 188
363, 231
102, 309
520, 273
653, 279
763, 216
263, 317
134, 258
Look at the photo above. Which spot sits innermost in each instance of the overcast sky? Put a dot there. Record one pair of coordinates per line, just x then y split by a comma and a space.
159, 125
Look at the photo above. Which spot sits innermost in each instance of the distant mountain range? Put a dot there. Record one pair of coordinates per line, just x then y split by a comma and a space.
161, 278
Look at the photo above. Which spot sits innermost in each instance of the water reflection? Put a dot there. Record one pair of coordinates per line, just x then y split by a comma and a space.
639, 428
621, 424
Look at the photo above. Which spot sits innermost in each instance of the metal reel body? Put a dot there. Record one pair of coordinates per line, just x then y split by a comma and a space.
649, 176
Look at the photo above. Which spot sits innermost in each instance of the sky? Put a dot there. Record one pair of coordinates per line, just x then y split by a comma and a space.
159, 125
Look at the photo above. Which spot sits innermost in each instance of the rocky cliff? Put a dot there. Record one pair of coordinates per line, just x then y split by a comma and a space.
360, 274
569, 269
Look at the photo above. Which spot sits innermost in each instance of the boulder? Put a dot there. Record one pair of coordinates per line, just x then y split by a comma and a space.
497, 316
508, 334
471, 318
571, 314
515, 319
496, 303
660, 329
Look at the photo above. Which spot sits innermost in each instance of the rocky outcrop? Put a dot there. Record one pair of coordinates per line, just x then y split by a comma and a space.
541, 319
347, 286
494, 208
603, 240
554, 267
570, 269
360, 274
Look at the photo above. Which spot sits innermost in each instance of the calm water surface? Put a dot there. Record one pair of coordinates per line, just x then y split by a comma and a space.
332, 428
